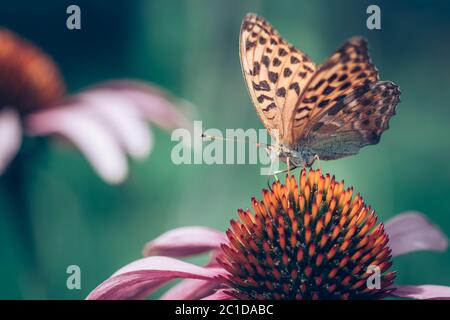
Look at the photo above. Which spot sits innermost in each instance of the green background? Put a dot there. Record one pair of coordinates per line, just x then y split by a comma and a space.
191, 48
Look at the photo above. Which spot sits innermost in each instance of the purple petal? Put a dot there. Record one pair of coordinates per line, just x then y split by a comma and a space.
191, 289
194, 289
154, 103
120, 115
412, 231
10, 136
422, 292
219, 295
88, 134
142, 277
185, 241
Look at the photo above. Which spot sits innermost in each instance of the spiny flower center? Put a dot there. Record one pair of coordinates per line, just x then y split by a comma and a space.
29, 80
313, 241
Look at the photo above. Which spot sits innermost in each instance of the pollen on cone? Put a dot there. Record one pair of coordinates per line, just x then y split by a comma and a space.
307, 240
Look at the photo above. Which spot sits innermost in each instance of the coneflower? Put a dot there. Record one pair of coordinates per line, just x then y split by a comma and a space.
107, 122
29, 79
311, 239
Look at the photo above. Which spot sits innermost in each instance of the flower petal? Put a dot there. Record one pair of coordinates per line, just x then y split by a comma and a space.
219, 295
90, 136
185, 241
412, 231
422, 292
120, 115
194, 289
191, 289
154, 103
10, 136
140, 278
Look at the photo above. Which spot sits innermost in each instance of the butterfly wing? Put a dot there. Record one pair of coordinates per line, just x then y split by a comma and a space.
343, 107
363, 118
347, 69
275, 71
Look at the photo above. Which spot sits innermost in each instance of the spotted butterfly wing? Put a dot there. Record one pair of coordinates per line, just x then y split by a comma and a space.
275, 72
343, 107
358, 126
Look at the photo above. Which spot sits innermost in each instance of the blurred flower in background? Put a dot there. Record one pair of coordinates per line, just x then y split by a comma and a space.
106, 123
308, 241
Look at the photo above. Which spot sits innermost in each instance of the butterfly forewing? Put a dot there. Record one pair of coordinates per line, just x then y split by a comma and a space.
275, 72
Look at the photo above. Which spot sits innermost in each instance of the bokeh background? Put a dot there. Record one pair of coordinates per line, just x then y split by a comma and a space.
191, 48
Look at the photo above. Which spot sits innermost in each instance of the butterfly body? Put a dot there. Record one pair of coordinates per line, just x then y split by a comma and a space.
298, 156
328, 111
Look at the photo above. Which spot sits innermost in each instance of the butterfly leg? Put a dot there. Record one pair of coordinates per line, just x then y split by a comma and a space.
288, 162
268, 184
284, 171
316, 157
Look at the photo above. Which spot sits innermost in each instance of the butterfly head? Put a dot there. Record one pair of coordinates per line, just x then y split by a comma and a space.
299, 158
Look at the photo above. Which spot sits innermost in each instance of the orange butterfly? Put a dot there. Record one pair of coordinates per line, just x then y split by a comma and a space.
328, 111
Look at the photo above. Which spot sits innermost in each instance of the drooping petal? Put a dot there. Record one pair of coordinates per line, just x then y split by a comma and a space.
185, 241
423, 292
88, 134
10, 136
219, 295
412, 231
154, 103
194, 289
120, 115
191, 289
140, 278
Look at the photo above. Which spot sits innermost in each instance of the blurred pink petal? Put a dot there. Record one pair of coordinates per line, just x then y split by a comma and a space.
120, 115
412, 231
140, 278
10, 136
423, 292
185, 241
191, 289
88, 134
154, 104
219, 295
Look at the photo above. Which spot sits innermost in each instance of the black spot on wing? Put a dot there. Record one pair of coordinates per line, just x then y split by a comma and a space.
296, 87
271, 106
273, 77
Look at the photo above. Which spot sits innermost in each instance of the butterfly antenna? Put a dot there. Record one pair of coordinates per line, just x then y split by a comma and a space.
212, 138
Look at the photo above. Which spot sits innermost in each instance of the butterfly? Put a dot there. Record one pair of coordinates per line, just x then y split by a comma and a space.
314, 112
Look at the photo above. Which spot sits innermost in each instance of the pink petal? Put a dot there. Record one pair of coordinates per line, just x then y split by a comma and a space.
120, 115
194, 289
142, 277
412, 231
185, 241
219, 295
422, 292
191, 289
154, 103
98, 144
10, 136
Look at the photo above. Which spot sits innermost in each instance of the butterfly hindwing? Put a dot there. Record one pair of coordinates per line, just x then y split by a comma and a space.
275, 71
363, 118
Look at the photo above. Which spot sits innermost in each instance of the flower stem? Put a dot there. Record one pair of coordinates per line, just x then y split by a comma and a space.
16, 184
